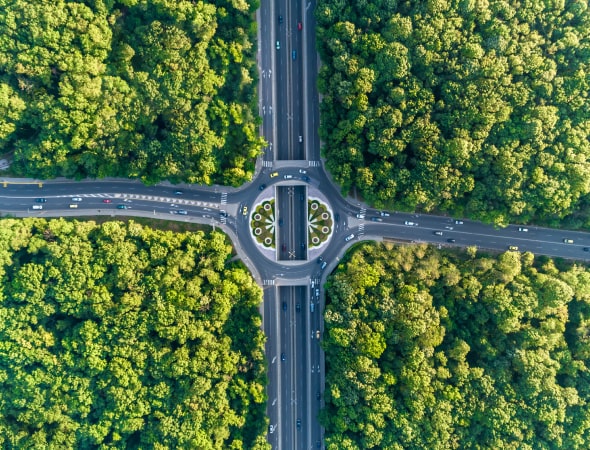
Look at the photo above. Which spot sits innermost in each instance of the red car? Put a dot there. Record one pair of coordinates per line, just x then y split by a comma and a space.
107, 200
299, 26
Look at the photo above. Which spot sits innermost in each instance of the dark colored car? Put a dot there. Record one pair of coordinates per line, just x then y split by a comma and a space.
178, 192
376, 219
280, 222
299, 424
298, 307
318, 395
452, 241
283, 357
337, 217
305, 178
41, 200
299, 26
262, 187
284, 306
121, 206
280, 19
586, 249
303, 245
320, 259
284, 247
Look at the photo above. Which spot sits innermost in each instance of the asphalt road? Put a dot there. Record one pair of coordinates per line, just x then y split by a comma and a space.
289, 107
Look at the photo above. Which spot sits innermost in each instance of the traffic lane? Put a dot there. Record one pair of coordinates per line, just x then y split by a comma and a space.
273, 392
464, 238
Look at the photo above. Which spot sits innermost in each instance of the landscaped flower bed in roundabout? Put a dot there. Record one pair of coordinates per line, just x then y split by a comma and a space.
263, 223
320, 222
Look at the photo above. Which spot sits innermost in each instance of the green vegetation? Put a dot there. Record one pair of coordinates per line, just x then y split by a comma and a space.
478, 108
263, 223
320, 222
150, 89
118, 336
435, 350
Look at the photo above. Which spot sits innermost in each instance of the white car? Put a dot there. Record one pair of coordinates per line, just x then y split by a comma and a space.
383, 214
302, 171
288, 177
76, 199
458, 222
37, 206
523, 229
360, 216
410, 224
349, 238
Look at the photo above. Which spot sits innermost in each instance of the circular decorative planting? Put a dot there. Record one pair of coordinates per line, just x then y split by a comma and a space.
320, 222
263, 223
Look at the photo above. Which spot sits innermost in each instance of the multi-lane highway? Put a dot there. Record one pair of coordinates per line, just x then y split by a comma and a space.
289, 169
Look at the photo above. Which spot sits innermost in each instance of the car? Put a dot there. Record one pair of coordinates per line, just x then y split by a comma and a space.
280, 19
299, 26
76, 199
410, 224
271, 428
438, 233
305, 178
121, 206
178, 192
37, 206
513, 248
376, 219
317, 334
173, 211
318, 444
294, 54
302, 197
184, 212
350, 237
284, 306
323, 266
568, 241
245, 210
298, 424
280, 222
107, 200
458, 222
302, 171
586, 249
300, 139
383, 214
262, 187
41, 200
278, 45
283, 357
452, 241
337, 217
312, 307
73, 205
303, 245
360, 216
320, 259
288, 177
523, 229
318, 395
274, 174
222, 213
284, 247
298, 307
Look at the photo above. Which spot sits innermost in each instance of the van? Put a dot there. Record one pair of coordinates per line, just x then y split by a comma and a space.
73, 205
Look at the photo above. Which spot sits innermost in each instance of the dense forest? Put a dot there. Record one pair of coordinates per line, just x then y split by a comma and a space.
118, 336
149, 89
434, 350
479, 108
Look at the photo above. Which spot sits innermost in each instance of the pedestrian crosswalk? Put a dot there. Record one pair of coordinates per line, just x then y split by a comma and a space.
268, 282
266, 163
314, 164
361, 229
224, 198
